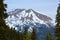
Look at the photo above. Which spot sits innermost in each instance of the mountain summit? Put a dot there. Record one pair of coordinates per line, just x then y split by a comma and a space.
20, 18
25, 17
29, 14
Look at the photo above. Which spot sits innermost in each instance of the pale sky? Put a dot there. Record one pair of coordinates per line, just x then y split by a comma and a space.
48, 7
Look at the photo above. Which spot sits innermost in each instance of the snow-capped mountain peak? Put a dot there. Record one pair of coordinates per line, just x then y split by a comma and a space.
24, 17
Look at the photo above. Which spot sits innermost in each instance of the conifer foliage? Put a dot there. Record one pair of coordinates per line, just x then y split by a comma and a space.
3, 15
34, 35
26, 34
49, 36
57, 31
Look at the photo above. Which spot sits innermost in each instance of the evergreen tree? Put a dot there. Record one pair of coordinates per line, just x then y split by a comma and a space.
3, 15
26, 34
57, 30
19, 36
34, 35
49, 37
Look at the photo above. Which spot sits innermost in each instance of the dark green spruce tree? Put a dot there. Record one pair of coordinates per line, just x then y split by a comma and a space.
3, 15
57, 30
34, 35
27, 35
49, 36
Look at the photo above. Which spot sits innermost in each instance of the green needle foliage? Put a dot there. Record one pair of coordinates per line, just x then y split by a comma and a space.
57, 31
49, 37
33, 35
27, 35
3, 15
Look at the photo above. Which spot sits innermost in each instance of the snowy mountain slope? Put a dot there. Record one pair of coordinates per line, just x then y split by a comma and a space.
30, 12
20, 18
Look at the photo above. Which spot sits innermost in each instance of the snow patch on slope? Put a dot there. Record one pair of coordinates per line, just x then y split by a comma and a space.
24, 17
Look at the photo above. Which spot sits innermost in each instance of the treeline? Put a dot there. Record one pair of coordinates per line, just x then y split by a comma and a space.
12, 34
